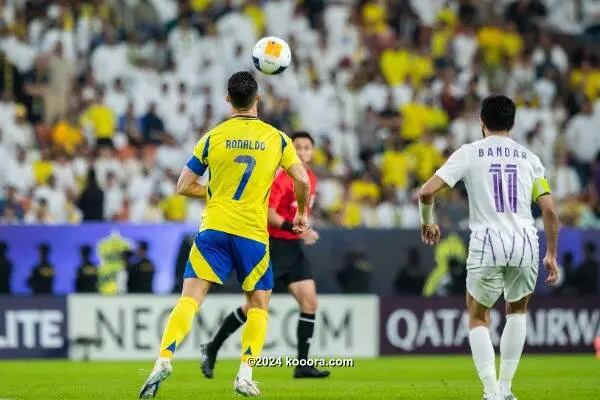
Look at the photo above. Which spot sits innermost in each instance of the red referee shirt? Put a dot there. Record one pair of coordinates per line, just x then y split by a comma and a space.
283, 200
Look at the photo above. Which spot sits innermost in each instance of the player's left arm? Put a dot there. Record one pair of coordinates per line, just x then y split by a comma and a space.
542, 195
447, 176
291, 163
278, 191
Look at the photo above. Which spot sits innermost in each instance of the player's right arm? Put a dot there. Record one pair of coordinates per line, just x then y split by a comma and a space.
541, 195
293, 166
187, 184
447, 176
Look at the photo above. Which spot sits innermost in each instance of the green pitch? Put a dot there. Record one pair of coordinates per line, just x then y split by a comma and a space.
539, 377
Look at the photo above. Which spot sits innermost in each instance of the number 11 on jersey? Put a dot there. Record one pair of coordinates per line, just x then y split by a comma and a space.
511, 175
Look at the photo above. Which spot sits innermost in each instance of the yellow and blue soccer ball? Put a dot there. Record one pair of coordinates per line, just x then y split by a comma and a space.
271, 55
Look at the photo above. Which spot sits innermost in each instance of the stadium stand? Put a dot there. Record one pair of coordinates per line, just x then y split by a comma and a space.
103, 100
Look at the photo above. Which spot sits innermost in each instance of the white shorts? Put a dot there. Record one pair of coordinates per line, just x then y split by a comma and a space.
486, 284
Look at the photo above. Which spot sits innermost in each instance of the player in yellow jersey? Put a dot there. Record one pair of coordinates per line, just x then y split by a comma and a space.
242, 155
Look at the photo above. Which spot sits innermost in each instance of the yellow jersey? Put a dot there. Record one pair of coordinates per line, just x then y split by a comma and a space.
242, 156
101, 118
395, 168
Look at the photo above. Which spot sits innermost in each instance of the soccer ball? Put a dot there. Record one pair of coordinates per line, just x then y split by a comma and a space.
271, 55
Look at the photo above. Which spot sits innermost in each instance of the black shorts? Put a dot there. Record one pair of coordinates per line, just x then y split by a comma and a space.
289, 262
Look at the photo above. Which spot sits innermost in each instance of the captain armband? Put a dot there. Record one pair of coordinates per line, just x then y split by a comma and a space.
540, 188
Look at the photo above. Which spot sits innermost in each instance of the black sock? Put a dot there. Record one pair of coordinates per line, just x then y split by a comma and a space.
230, 324
304, 333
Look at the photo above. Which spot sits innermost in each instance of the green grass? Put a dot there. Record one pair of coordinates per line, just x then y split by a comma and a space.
451, 377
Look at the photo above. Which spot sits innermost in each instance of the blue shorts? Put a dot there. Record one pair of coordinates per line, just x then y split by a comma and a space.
215, 254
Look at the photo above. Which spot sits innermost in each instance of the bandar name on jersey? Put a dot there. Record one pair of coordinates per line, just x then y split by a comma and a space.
502, 152
245, 144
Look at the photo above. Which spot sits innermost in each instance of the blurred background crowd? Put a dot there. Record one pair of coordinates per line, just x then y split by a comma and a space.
103, 101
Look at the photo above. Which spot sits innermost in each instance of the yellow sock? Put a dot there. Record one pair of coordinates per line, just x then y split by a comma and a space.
254, 334
178, 325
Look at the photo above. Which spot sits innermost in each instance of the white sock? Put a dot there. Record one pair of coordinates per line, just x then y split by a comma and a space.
482, 350
245, 371
511, 348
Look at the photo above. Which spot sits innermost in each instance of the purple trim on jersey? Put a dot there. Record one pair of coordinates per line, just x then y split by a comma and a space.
491, 246
483, 249
523, 249
498, 193
510, 191
512, 248
502, 241
496, 170
530, 248
511, 171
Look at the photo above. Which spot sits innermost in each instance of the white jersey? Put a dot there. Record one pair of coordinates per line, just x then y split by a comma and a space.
499, 175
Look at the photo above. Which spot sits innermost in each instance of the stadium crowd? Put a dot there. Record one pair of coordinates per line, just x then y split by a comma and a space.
102, 101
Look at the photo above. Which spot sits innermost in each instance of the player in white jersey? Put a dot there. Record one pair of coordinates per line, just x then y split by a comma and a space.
502, 178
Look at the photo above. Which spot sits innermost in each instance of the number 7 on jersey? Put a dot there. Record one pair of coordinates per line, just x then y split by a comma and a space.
250, 164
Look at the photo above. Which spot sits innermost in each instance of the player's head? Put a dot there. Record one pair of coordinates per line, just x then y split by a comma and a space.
142, 247
304, 144
44, 249
242, 91
497, 114
85, 250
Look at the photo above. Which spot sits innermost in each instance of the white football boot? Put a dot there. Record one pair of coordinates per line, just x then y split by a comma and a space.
491, 397
161, 371
245, 387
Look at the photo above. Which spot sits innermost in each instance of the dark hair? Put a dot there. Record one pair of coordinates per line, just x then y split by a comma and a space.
498, 113
85, 250
242, 88
91, 179
302, 135
568, 257
590, 247
44, 248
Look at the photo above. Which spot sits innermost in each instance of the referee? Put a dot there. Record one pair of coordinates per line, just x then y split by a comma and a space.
290, 265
